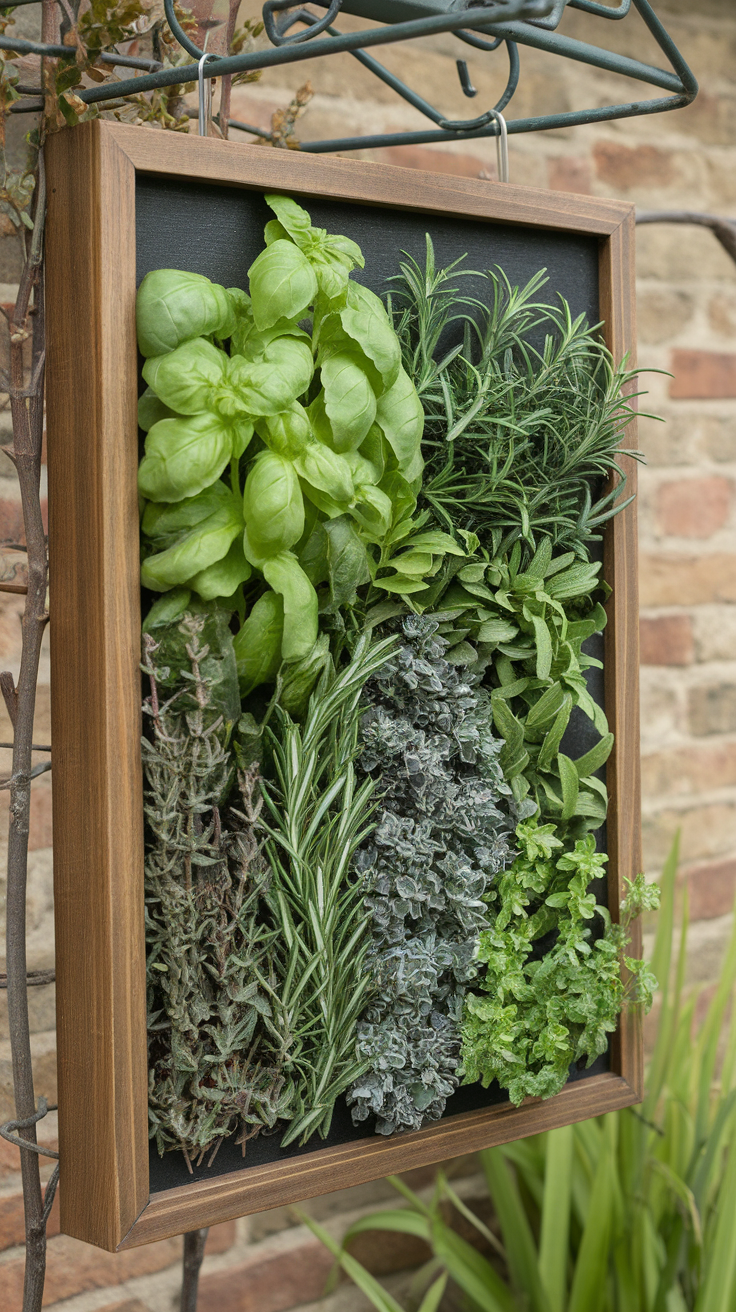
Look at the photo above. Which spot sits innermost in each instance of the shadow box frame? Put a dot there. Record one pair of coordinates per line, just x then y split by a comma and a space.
96, 715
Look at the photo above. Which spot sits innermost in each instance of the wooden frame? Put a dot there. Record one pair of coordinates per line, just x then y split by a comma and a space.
98, 841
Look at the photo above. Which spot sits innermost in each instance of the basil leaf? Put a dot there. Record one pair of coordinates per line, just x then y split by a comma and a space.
173, 306
365, 320
275, 231
271, 386
347, 561
300, 677
287, 433
401, 419
183, 456
400, 584
187, 379
325, 470
313, 556
292, 218
282, 284
373, 510
169, 608
350, 402
285, 576
199, 547
273, 507
224, 576
258, 643
164, 523
151, 409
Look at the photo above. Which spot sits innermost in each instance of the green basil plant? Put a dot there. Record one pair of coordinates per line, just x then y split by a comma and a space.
283, 442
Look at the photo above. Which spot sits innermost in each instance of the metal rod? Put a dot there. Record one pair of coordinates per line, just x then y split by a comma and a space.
194, 1246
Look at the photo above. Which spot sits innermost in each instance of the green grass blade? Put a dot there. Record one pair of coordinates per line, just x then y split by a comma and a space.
555, 1229
433, 1296
591, 1269
471, 1271
518, 1240
718, 1292
379, 1297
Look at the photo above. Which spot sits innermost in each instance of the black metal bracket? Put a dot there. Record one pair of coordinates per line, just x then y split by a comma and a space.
484, 25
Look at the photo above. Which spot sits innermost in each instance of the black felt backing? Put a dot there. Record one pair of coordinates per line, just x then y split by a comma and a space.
218, 231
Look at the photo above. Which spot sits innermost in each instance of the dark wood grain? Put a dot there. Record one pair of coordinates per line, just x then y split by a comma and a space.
98, 820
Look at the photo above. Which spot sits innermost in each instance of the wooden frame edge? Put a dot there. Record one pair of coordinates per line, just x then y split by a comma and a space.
124, 1215
209, 1202
95, 605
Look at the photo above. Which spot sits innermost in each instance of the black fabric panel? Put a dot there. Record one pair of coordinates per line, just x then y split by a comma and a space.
218, 231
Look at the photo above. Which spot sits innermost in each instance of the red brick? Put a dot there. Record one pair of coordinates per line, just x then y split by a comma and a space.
12, 1221
11, 521
74, 1268
666, 640
435, 161
674, 579
570, 173
271, 1280
681, 771
127, 1305
625, 167
221, 1237
694, 507
711, 889
703, 375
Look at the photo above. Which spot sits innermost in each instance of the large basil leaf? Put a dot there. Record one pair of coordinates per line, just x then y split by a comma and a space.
183, 456
188, 378
258, 643
282, 284
365, 320
273, 506
165, 523
350, 402
198, 547
284, 373
285, 575
222, 578
293, 219
173, 306
325, 470
151, 409
401, 419
373, 510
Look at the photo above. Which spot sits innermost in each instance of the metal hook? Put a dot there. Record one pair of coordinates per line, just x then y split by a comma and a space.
502, 146
205, 95
464, 74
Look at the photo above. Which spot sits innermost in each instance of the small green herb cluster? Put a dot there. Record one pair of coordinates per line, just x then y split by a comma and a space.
370, 864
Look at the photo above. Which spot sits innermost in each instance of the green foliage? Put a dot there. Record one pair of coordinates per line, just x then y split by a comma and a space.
516, 439
209, 975
319, 815
629, 1213
443, 834
329, 424
540, 1014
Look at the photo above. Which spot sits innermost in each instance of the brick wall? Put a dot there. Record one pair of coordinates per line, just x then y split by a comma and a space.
687, 326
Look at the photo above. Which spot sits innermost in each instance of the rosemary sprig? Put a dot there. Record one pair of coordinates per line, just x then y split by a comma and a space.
517, 439
319, 817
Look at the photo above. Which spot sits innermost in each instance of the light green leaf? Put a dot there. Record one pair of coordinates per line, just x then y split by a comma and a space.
183, 456
365, 320
258, 643
347, 561
400, 417
188, 379
325, 470
224, 576
173, 306
273, 507
595, 758
349, 399
570, 785
198, 547
285, 575
151, 410
274, 384
282, 284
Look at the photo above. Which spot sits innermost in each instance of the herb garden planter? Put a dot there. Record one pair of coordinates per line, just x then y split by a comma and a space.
126, 202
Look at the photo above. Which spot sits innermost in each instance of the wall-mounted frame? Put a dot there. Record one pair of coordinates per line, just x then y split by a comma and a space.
191, 203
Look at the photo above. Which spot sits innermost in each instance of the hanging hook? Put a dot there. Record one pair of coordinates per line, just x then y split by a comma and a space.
502, 146
465, 82
205, 95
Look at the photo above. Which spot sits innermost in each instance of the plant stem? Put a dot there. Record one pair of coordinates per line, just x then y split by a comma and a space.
27, 412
